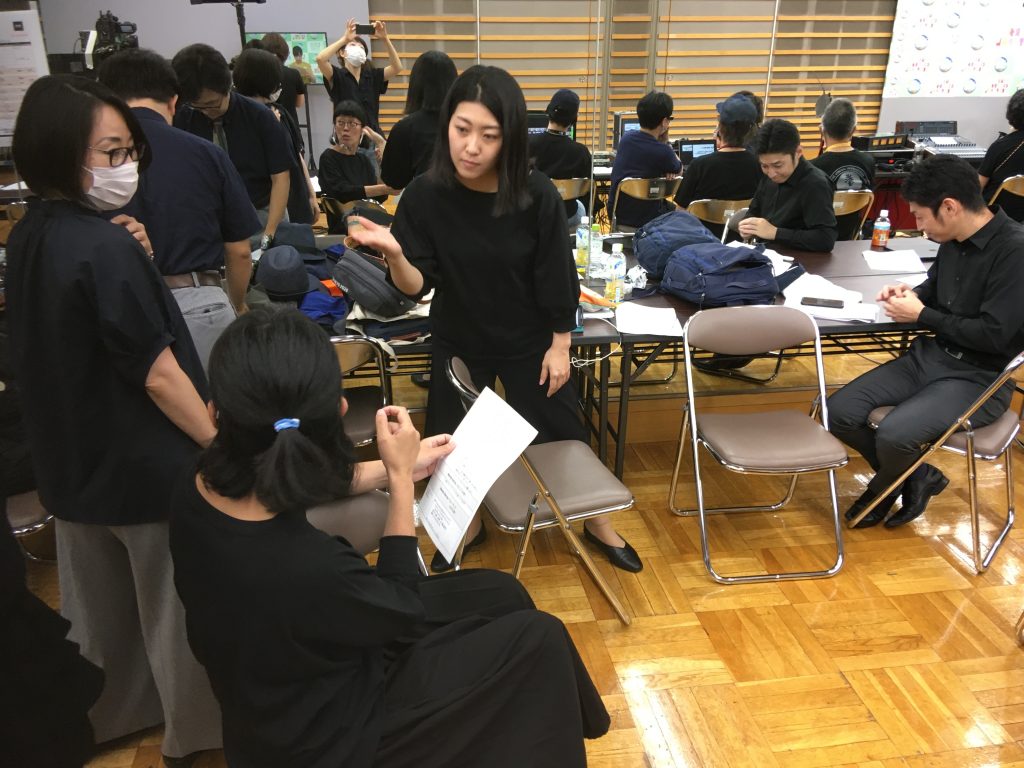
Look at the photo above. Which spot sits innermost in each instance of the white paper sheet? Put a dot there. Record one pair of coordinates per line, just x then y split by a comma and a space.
634, 318
894, 261
489, 439
853, 309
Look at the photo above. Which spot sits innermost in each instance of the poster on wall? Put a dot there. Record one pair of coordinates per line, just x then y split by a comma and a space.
303, 48
956, 48
22, 60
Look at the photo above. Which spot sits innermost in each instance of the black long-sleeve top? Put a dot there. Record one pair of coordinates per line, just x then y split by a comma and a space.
345, 177
503, 284
409, 149
974, 292
291, 625
800, 208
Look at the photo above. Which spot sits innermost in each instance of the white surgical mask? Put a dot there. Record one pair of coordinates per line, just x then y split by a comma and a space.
112, 188
355, 55
276, 95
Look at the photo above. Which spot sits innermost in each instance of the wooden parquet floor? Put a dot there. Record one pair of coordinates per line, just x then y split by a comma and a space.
906, 659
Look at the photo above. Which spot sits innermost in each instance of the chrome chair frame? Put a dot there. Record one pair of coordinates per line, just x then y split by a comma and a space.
377, 352
963, 426
656, 189
38, 523
456, 372
690, 421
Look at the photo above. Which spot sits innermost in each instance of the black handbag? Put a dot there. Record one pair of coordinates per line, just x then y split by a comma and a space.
364, 281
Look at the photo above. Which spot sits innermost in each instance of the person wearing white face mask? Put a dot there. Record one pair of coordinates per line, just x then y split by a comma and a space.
114, 399
358, 80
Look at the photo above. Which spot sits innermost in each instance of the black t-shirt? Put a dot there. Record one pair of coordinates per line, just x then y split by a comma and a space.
720, 176
559, 157
852, 170
367, 91
257, 144
503, 284
299, 210
409, 149
1000, 151
345, 178
88, 315
291, 88
290, 625
188, 231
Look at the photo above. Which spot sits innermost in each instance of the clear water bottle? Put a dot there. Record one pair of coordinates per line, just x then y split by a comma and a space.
880, 234
615, 281
583, 246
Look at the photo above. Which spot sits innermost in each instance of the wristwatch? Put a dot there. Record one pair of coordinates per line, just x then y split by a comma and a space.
266, 241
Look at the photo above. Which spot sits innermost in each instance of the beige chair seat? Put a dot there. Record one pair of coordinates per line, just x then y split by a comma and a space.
751, 441
989, 441
573, 474
357, 519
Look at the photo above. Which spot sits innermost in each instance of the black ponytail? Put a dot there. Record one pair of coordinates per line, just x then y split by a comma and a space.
271, 365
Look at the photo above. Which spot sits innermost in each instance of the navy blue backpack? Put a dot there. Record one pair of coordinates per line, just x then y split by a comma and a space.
656, 240
715, 275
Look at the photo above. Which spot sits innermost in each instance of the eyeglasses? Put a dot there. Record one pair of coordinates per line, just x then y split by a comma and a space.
121, 155
343, 124
208, 107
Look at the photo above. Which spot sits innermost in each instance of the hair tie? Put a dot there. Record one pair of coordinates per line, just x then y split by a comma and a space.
281, 424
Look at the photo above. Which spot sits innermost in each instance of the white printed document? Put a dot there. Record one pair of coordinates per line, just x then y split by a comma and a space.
639, 320
489, 439
815, 286
894, 261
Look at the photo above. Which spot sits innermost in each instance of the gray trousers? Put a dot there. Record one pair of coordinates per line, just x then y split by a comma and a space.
207, 312
117, 590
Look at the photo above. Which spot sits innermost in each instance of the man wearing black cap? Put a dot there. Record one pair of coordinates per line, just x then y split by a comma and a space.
558, 156
730, 173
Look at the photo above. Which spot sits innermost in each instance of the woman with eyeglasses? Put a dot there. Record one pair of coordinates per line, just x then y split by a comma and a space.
346, 173
115, 407
479, 226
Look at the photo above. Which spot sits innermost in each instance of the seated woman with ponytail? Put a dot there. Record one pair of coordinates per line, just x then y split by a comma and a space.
317, 658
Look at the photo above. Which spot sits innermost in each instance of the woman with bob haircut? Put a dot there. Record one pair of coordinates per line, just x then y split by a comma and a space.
318, 659
114, 399
411, 141
480, 224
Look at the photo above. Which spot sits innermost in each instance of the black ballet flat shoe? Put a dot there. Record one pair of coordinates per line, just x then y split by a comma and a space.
181, 762
439, 565
927, 481
624, 557
877, 514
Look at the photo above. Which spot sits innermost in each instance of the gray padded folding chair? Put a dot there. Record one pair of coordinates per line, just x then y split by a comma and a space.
364, 401
770, 443
552, 484
988, 443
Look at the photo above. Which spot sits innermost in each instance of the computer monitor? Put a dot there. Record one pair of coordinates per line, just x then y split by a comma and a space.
624, 122
537, 122
311, 43
691, 149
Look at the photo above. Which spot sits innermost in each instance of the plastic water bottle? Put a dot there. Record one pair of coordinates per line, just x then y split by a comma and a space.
583, 246
880, 234
616, 274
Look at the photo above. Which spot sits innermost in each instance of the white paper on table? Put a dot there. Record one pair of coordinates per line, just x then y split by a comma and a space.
894, 261
315, 181
489, 439
853, 308
637, 319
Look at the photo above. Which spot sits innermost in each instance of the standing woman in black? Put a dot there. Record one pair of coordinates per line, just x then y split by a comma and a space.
1005, 158
411, 142
479, 227
114, 401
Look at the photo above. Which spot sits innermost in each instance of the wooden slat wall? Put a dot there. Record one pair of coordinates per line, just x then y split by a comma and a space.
612, 52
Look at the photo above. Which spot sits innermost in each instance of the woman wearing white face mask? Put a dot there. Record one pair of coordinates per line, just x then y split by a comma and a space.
114, 399
358, 80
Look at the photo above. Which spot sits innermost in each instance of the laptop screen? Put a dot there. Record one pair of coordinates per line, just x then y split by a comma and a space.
691, 149
537, 122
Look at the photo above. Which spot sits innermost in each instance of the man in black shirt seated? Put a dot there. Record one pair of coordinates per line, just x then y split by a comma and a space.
731, 172
847, 168
557, 155
971, 301
792, 206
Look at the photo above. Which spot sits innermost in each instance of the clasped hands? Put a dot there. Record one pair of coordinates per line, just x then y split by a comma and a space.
900, 303
757, 227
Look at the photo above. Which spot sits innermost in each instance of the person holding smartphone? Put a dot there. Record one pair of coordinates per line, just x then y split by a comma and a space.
357, 79
481, 224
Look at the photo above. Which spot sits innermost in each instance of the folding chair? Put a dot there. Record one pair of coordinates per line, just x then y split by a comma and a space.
847, 203
1013, 185
770, 443
642, 189
714, 212
571, 189
26, 515
573, 485
363, 402
988, 443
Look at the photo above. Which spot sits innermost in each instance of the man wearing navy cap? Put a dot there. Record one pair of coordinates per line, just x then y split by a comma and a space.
558, 156
731, 172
